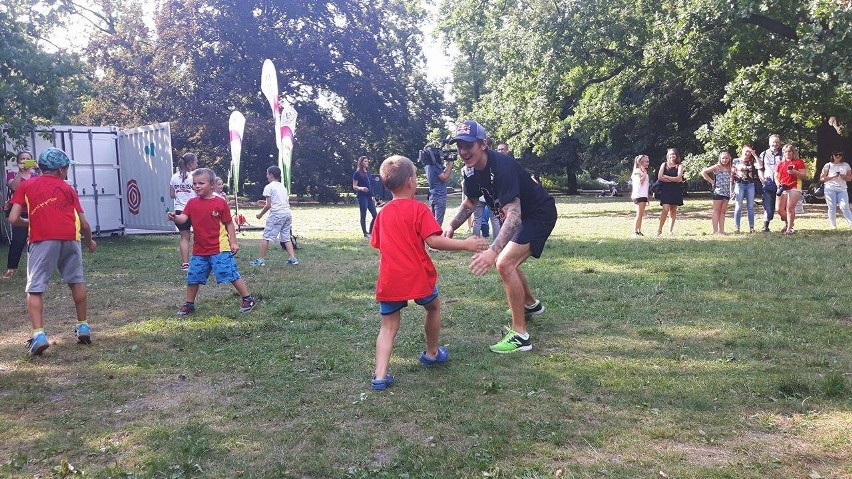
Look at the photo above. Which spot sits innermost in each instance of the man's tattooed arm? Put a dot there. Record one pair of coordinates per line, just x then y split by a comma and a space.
465, 210
511, 225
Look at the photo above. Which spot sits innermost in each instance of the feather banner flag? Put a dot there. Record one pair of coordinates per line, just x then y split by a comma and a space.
287, 127
236, 126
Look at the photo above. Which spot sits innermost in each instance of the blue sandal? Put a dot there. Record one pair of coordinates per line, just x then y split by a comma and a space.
381, 384
442, 357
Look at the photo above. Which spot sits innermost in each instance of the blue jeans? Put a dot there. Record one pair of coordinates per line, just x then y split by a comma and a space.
744, 190
833, 199
438, 202
366, 203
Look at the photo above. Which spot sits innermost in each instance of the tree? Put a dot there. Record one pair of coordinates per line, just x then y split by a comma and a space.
36, 87
353, 69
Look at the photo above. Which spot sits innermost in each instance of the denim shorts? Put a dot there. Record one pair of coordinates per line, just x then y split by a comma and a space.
390, 307
223, 265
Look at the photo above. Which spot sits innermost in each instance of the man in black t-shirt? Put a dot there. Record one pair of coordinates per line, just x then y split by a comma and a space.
527, 214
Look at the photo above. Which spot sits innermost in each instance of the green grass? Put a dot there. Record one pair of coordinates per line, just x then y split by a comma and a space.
692, 355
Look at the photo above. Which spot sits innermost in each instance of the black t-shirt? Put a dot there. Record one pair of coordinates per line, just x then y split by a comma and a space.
501, 181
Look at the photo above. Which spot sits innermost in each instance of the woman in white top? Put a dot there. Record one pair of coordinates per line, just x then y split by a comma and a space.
181, 191
835, 175
640, 184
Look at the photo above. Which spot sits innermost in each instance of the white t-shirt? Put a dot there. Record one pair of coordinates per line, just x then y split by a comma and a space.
279, 201
183, 189
836, 183
640, 185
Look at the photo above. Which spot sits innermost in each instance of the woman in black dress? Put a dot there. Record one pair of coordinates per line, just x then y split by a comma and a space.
671, 193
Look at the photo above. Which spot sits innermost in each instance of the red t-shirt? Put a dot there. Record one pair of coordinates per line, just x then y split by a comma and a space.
53, 207
788, 179
209, 217
399, 233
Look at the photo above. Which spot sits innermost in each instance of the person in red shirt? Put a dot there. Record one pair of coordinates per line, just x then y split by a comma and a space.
215, 242
55, 222
788, 176
405, 269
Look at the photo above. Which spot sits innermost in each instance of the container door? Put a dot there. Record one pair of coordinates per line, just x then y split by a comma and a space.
146, 167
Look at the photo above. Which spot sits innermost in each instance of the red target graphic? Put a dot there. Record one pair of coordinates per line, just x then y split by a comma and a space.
134, 197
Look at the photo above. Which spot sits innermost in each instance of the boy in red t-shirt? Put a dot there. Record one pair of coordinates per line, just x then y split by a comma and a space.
55, 222
405, 269
215, 242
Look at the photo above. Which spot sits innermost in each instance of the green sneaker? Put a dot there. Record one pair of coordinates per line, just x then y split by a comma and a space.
511, 342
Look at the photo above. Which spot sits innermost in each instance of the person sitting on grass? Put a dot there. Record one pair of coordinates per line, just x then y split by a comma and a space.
56, 221
405, 269
215, 242
280, 219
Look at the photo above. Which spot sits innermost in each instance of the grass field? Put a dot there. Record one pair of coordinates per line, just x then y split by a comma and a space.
690, 356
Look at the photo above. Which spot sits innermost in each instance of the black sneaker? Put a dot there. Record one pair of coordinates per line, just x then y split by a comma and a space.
186, 309
247, 304
535, 309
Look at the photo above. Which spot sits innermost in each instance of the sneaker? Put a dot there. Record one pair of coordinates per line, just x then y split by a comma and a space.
247, 304
258, 262
534, 310
83, 333
765, 228
442, 357
293, 261
37, 344
381, 384
511, 342
186, 309
184, 267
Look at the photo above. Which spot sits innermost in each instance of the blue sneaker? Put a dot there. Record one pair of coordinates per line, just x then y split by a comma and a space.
37, 344
258, 262
83, 333
381, 384
293, 261
442, 357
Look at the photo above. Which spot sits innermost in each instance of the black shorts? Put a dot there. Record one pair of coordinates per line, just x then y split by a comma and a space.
186, 226
720, 197
535, 231
643, 199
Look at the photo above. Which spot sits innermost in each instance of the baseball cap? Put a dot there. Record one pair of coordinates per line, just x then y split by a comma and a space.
469, 130
53, 159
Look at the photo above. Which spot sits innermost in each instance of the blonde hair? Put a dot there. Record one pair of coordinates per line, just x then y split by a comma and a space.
395, 171
790, 147
638, 160
206, 172
184, 162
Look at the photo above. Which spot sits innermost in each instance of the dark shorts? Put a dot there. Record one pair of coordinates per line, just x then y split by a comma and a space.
223, 265
720, 197
390, 307
535, 231
186, 226
643, 199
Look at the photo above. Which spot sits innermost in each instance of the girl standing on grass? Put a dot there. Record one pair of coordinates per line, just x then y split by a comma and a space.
181, 191
835, 174
721, 184
26, 170
788, 176
364, 192
671, 193
639, 183
746, 179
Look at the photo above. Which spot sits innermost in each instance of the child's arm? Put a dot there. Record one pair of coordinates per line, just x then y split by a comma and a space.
265, 208
471, 243
86, 232
179, 219
232, 237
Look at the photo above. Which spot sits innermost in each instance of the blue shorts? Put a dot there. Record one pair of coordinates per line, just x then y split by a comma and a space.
223, 265
535, 231
390, 307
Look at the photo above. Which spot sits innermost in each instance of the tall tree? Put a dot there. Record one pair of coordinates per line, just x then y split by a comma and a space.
352, 68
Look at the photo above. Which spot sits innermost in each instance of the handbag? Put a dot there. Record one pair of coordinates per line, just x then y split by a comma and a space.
657, 187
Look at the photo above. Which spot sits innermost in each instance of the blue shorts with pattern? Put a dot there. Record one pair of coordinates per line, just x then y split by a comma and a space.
390, 307
223, 265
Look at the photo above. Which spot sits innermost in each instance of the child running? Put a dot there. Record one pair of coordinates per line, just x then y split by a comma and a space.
279, 221
55, 221
405, 269
215, 242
